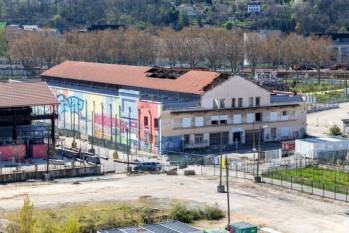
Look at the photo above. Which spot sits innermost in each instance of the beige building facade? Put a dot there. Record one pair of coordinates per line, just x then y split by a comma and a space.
232, 113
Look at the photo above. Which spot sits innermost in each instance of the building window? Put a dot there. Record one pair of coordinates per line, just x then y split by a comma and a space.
240, 102
146, 122
284, 113
214, 122
199, 139
156, 123
233, 104
186, 139
250, 102
273, 133
222, 103
237, 119
199, 121
223, 122
258, 101
186, 122
215, 103
258, 117
250, 117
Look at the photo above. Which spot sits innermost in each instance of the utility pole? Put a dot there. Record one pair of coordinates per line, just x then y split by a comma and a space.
93, 126
48, 155
128, 140
254, 146
227, 181
220, 187
47, 175
257, 178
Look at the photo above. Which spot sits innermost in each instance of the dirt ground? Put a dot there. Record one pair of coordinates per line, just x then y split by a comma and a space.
318, 123
282, 210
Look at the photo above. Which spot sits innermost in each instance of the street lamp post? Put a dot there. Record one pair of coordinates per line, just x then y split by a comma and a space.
93, 127
257, 177
128, 140
227, 181
220, 187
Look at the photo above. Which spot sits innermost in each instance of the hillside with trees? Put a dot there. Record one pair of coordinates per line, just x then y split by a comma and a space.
310, 16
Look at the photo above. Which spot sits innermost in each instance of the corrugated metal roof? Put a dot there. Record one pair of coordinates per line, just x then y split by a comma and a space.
285, 98
193, 81
323, 139
165, 227
23, 94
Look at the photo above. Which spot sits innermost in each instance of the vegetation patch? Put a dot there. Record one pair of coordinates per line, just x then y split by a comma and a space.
187, 214
88, 218
322, 178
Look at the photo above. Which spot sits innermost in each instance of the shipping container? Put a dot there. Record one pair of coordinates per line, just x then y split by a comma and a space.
312, 147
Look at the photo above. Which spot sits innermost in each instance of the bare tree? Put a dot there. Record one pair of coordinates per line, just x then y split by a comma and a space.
190, 46
35, 49
320, 52
169, 46
254, 49
214, 45
272, 49
235, 49
294, 51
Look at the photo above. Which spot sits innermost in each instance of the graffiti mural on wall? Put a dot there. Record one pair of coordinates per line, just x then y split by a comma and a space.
109, 117
94, 115
149, 113
39, 151
70, 104
9, 152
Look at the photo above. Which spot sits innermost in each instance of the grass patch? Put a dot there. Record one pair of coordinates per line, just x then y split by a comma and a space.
328, 179
314, 87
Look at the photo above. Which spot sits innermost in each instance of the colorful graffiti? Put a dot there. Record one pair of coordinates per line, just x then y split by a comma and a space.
39, 151
114, 118
70, 104
149, 113
9, 152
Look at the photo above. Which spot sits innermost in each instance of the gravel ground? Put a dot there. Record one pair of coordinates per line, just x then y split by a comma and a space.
318, 123
282, 210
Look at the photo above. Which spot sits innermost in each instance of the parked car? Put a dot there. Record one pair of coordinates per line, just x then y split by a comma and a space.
147, 167
91, 158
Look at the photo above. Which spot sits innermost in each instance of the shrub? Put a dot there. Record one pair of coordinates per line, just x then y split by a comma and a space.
184, 214
213, 213
335, 130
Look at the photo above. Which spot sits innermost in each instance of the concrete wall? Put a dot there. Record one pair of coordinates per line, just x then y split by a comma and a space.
111, 120
61, 173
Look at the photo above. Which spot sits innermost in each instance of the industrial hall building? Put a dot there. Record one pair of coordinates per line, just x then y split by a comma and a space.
28, 113
162, 109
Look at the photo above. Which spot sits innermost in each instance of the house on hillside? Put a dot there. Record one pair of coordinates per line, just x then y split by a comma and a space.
254, 7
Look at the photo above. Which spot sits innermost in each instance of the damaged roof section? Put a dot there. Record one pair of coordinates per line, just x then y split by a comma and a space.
175, 80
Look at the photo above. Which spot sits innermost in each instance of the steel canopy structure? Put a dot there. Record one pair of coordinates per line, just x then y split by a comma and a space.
28, 112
